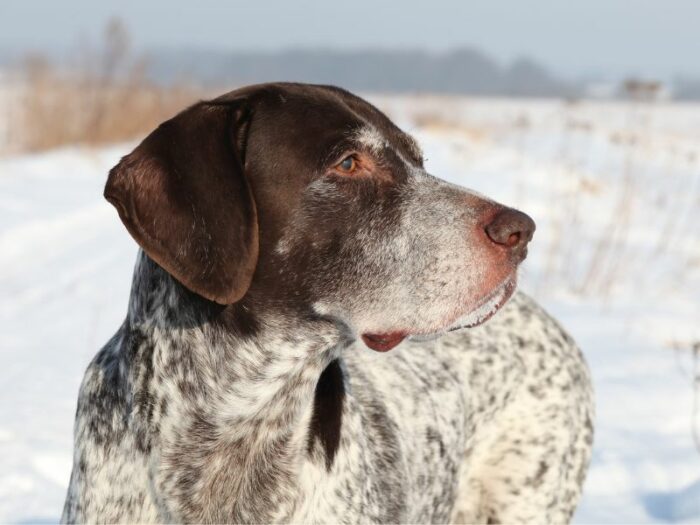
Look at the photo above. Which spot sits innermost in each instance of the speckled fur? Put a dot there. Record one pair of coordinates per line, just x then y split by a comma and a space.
489, 424
182, 419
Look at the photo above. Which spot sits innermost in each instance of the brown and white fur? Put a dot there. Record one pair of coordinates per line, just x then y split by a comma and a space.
290, 238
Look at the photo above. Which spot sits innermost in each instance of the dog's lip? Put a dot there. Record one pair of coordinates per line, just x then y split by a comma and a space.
485, 310
384, 342
487, 307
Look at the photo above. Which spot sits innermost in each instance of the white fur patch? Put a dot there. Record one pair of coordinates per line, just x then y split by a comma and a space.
371, 138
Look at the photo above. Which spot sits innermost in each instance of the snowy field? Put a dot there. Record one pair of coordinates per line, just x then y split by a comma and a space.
613, 187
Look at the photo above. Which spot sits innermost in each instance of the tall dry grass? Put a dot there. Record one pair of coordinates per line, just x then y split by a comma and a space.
617, 174
104, 97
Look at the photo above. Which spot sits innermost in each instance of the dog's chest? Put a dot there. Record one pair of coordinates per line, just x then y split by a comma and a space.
402, 443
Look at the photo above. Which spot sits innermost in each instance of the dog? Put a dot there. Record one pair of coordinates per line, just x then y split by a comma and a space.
289, 238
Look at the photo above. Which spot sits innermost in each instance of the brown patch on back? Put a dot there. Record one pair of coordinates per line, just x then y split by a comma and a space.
326, 420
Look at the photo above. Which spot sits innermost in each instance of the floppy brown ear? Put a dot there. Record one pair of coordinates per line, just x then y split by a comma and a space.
184, 197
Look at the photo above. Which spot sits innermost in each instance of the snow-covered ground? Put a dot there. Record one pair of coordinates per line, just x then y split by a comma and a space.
614, 189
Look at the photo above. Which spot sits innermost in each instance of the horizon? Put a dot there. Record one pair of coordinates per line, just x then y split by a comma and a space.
604, 40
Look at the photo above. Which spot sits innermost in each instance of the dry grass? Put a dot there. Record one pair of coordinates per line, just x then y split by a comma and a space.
597, 211
105, 98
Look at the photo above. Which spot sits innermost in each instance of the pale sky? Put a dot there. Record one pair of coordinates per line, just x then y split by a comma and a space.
571, 37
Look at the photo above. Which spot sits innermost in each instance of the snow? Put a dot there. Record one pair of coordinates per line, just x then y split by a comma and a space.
65, 269
613, 187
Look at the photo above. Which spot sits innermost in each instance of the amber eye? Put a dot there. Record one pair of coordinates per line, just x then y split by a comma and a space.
348, 164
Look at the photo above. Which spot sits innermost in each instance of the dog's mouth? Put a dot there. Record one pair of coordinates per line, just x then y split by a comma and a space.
485, 310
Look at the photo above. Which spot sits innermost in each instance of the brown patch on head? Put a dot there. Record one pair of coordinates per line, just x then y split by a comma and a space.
375, 242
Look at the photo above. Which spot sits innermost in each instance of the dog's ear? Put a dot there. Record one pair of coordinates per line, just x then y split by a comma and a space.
184, 197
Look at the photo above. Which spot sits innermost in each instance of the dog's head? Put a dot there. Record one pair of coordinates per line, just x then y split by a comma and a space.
309, 199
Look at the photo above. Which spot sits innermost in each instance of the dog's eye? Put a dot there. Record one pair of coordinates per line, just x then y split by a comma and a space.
347, 165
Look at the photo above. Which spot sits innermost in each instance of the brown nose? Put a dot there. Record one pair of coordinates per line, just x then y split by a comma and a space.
512, 229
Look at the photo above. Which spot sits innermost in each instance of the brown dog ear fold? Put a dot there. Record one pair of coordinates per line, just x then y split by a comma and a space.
183, 196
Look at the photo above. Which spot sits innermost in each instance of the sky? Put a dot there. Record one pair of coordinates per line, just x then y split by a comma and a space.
573, 38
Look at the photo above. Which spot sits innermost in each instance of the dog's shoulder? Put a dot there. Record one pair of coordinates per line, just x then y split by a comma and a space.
540, 340
104, 468
526, 330
522, 349
103, 387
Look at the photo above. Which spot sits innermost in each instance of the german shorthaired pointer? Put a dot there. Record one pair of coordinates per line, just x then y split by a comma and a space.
290, 236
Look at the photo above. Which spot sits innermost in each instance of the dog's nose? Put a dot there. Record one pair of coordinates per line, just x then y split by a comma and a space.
512, 229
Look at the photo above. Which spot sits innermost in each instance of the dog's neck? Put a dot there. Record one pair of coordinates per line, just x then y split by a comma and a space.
240, 394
